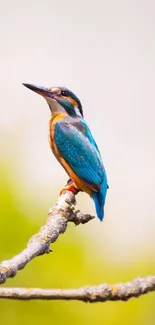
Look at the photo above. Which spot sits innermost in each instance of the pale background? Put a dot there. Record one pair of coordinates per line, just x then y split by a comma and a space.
104, 52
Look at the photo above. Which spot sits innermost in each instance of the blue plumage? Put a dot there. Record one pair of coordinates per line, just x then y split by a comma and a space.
99, 198
77, 146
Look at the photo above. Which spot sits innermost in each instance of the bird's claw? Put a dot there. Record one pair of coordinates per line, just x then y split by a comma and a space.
70, 187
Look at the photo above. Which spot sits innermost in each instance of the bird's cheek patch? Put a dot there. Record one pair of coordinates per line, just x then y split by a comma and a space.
72, 102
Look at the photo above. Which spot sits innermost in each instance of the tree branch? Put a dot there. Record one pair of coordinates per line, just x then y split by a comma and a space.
101, 293
58, 217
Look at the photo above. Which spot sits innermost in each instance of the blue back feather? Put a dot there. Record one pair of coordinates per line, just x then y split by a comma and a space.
76, 144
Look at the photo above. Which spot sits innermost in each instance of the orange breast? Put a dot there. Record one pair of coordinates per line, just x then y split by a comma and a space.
54, 119
80, 184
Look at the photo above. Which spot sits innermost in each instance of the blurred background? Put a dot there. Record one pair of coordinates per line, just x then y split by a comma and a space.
104, 51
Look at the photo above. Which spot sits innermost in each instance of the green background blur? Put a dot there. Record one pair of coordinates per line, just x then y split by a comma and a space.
104, 51
75, 262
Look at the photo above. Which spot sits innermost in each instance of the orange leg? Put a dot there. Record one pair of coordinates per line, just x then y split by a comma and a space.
70, 187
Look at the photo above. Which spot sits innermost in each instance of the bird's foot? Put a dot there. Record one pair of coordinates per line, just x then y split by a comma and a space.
70, 187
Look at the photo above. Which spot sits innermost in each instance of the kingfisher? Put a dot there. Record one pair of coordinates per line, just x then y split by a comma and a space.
73, 144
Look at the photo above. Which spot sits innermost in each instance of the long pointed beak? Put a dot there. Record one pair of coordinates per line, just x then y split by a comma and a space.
45, 92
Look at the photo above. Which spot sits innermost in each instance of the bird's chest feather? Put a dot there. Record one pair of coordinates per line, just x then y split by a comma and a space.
53, 121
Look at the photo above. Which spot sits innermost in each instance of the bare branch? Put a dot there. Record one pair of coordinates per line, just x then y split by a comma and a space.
58, 217
101, 293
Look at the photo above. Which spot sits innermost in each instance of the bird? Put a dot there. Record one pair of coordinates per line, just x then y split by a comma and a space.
73, 144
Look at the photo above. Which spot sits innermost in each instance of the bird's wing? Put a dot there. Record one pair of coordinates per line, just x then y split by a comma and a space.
76, 147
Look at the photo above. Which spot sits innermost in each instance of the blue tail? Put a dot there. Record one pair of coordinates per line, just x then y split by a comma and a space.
99, 199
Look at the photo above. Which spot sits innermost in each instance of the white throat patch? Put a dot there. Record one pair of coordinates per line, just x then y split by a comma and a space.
55, 106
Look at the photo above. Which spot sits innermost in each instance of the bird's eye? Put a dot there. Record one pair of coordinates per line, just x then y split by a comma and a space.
64, 93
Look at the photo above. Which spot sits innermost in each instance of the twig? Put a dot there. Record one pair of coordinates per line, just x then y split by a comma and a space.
101, 293
58, 217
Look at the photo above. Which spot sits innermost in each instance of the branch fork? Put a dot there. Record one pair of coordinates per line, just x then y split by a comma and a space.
39, 244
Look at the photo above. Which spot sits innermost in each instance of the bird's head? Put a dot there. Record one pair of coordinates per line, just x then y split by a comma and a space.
59, 99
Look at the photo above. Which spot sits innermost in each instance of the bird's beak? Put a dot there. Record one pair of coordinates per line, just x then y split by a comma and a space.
45, 92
